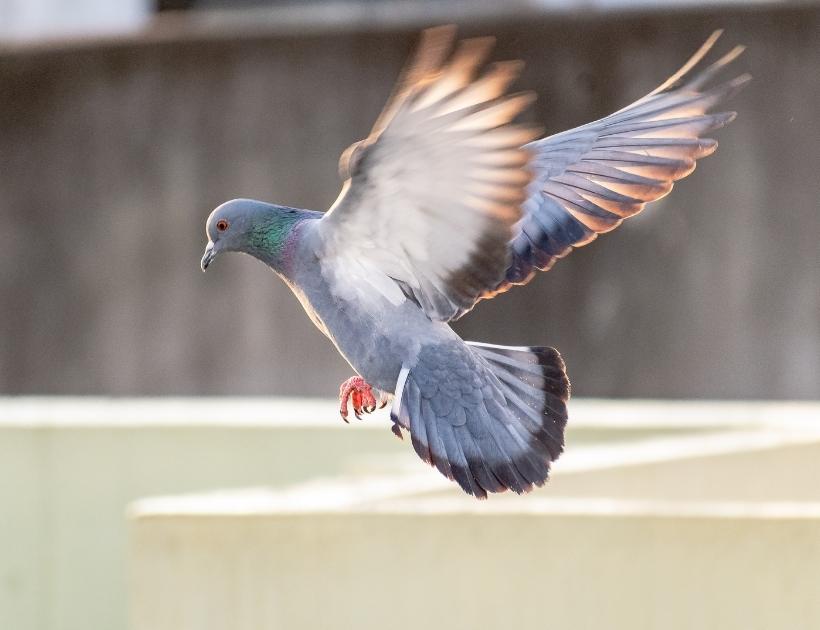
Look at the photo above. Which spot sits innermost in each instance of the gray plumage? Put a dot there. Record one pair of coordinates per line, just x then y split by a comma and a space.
448, 201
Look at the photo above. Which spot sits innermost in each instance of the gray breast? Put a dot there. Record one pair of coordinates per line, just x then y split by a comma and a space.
375, 336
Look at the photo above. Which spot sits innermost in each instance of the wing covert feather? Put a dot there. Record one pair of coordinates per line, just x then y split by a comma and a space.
449, 201
433, 193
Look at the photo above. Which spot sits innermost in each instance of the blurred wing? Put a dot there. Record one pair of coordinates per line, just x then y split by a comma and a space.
589, 179
433, 193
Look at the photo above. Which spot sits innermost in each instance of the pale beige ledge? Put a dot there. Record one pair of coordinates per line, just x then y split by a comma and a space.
710, 530
58, 411
708, 474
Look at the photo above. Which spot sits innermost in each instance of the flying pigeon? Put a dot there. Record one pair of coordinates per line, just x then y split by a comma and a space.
450, 201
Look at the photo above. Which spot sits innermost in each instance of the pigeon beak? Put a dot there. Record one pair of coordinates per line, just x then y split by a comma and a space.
208, 256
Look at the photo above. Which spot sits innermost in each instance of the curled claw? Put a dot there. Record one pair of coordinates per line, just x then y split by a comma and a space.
356, 399
361, 396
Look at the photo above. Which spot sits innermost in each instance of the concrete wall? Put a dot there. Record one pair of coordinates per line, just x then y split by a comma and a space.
521, 570
584, 553
68, 471
69, 468
112, 155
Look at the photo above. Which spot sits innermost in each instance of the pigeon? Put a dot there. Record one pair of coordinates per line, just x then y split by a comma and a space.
451, 200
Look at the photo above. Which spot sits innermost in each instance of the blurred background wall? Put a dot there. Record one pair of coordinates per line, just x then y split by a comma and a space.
113, 152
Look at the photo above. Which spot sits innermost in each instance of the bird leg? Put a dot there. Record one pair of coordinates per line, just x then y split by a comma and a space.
361, 395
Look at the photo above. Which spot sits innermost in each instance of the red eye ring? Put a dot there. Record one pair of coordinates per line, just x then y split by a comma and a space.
222, 225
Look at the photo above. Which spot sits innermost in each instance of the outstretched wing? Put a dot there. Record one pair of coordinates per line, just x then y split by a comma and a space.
589, 179
433, 193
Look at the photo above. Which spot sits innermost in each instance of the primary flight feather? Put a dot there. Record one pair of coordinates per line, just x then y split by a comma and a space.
449, 201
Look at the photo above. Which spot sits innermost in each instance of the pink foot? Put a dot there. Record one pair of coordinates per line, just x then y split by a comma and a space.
361, 395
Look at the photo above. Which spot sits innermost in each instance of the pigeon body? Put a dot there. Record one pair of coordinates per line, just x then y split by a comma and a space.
374, 334
448, 202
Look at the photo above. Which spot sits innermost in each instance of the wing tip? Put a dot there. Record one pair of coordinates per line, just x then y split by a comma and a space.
723, 119
694, 61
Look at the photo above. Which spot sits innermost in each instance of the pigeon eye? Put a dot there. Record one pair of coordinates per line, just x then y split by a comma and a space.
221, 225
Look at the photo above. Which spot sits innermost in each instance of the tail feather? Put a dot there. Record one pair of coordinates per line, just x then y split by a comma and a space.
489, 417
481, 472
534, 381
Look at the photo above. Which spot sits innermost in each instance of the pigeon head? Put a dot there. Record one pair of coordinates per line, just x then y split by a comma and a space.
251, 227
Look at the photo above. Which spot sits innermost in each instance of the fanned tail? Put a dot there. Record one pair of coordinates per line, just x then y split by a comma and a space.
536, 387
491, 418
